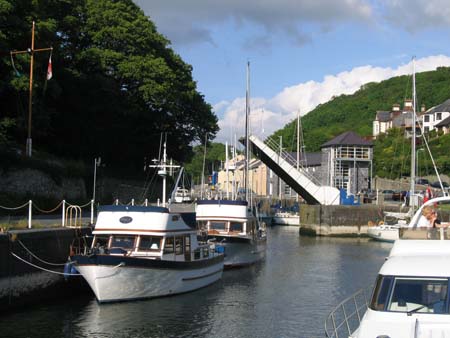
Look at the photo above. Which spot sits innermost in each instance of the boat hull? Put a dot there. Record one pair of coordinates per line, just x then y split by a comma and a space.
286, 220
117, 279
243, 253
383, 234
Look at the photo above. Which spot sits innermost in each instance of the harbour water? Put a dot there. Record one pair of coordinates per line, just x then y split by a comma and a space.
287, 295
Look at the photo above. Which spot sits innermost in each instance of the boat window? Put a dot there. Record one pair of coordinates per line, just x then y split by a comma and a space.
235, 226
168, 246
150, 243
381, 293
126, 242
202, 225
178, 245
100, 241
419, 295
217, 226
205, 252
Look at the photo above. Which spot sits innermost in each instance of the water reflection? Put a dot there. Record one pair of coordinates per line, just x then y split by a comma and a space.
288, 295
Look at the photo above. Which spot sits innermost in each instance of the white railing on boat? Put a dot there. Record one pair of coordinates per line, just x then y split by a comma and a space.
345, 318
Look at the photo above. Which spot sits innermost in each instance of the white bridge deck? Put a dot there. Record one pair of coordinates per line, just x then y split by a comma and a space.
302, 182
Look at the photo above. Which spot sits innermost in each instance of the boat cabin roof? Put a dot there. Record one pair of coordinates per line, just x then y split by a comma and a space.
142, 220
417, 266
418, 258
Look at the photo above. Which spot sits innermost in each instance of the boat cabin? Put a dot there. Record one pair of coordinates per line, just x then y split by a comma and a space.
148, 232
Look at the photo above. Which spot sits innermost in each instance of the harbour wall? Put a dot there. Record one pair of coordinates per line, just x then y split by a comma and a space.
21, 284
339, 220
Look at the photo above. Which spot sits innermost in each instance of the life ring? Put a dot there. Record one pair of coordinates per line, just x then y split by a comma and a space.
381, 223
370, 224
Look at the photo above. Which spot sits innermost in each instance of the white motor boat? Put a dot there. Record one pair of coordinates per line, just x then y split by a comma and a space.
232, 224
411, 294
144, 252
182, 196
386, 232
286, 218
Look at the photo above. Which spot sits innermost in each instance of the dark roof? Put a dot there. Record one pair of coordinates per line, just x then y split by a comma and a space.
443, 107
383, 116
312, 159
349, 138
444, 122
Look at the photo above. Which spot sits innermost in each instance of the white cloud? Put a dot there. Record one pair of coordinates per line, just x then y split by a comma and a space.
415, 15
269, 115
191, 21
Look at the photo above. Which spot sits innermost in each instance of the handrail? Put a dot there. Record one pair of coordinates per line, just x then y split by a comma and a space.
346, 317
272, 144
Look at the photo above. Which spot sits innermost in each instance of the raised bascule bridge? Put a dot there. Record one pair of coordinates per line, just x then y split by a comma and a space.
285, 167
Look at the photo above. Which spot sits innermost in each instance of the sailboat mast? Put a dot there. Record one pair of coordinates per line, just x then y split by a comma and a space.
247, 113
413, 140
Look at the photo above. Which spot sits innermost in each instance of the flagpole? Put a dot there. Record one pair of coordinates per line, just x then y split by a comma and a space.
30, 98
30, 51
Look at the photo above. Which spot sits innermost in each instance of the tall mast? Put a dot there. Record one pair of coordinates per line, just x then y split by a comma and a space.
247, 113
413, 140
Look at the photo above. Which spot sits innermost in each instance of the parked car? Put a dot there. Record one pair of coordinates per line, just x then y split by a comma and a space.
438, 185
422, 181
368, 195
388, 194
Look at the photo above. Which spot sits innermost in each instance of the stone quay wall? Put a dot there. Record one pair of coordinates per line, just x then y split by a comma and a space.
338, 220
22, 284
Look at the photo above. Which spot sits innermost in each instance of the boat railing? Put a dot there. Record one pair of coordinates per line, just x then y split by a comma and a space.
346, 317
427, 233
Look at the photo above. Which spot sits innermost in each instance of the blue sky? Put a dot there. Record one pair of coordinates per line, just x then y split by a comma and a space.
301, 52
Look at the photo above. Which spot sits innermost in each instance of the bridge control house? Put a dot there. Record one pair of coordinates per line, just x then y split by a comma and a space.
345, 162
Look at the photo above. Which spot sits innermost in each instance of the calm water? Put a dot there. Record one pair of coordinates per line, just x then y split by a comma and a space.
288, 295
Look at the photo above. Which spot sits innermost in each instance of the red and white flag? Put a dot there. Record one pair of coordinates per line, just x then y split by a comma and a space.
49, 68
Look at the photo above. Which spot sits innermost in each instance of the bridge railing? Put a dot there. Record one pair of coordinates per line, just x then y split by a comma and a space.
272, 144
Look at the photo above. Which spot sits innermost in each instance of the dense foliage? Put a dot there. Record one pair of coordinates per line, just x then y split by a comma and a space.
213, 157
356, 112
116, 86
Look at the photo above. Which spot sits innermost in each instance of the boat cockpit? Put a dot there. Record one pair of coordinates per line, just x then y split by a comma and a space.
181, 247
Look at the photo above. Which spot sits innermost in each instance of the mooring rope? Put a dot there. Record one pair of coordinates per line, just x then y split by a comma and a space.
17, 208
39, 259
47, 211
43, 269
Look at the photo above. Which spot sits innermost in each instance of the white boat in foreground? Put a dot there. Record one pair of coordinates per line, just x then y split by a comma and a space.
144, 252
410, 298
232, 224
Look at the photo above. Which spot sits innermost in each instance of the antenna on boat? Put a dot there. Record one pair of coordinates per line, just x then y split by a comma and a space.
162, 166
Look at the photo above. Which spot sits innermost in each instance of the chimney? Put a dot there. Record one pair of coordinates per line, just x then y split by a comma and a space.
408, 105
422, 108
396, 107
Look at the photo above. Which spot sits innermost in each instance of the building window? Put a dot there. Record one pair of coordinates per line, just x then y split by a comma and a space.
438, 116
427, 129
426, 118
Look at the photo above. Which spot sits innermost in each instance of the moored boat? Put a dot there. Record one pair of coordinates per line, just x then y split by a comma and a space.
144, 252
286, 218
411, 294
232, 224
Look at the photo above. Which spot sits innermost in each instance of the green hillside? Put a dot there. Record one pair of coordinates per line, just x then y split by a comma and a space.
356, 112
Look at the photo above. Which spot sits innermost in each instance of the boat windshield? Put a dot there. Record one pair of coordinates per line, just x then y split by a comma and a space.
411, 294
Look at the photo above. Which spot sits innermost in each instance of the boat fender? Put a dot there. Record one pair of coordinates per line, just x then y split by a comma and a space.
220, 249
70, 270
